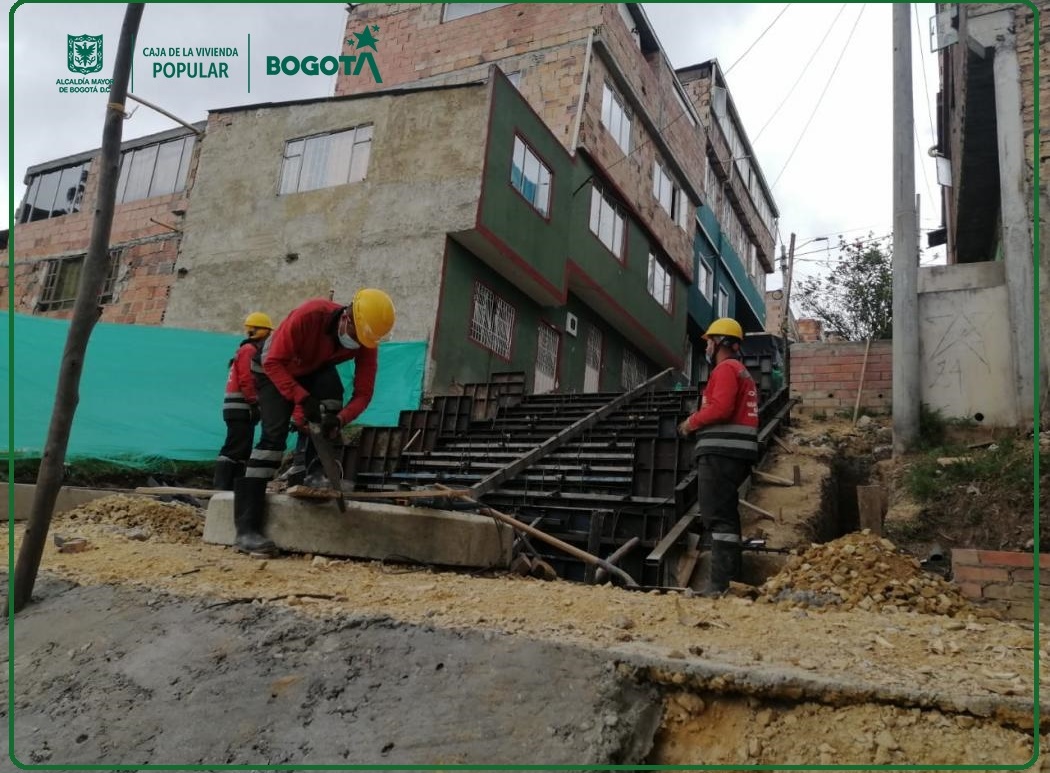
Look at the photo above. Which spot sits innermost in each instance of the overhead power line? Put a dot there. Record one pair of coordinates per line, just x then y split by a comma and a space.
767, 29
805, 69
929, 112
816, 107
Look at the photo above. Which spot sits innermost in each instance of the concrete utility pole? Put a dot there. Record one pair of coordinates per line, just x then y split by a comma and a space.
786, 311
905, 256
85, 315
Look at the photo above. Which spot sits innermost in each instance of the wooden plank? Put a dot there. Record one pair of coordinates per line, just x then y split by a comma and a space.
783, 445
203, 493
687, 561
657, 554
756, 509
871, 506
765, 476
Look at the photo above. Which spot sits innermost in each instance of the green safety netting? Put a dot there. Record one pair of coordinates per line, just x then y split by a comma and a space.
150, 393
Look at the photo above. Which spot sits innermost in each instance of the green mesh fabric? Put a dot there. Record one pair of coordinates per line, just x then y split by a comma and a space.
150, 393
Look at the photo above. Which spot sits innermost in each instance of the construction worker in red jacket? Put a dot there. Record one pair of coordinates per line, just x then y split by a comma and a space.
240, 409
726, 427
297, 370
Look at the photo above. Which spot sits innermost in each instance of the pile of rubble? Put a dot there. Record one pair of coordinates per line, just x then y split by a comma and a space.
862, 571
141, 518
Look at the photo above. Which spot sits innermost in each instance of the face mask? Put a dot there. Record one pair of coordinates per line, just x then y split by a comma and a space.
710, 359
347, 341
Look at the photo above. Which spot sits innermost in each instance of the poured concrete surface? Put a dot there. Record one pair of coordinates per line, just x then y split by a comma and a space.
106, 675
368, 530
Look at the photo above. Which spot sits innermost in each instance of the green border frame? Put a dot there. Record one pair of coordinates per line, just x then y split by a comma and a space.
11, 496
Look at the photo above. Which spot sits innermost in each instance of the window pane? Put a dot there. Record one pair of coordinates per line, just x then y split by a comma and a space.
68, 187
605, 226
340, 148
45, 196
455, 11
122, 177
617, 245
607, 108
167, 171
142, 163
27, 207
543, 196
518, 165
362, 153
68, 280
315, 161
184, 163
596, 204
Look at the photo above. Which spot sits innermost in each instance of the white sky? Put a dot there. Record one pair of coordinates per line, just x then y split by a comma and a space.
838, 180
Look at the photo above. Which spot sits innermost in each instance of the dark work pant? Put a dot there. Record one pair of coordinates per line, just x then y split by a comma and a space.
719, 479
240, 432
324, 384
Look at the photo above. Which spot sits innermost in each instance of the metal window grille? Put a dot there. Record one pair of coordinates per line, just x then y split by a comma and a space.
593, 360
634, 370
546, 360
62, 280
492, 321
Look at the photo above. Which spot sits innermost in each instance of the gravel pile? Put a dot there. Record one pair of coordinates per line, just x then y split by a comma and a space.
862, 571
165, 521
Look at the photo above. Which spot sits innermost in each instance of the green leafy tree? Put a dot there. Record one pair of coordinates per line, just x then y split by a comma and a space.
855, 300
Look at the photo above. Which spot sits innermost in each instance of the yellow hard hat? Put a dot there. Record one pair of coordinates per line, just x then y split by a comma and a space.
726, 326
258, 319
374, 315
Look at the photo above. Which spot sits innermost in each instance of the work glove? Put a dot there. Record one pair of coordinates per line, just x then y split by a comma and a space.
311, 409
254, 413
331, 425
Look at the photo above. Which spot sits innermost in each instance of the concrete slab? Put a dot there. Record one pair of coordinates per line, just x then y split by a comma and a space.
370, 530
69, 497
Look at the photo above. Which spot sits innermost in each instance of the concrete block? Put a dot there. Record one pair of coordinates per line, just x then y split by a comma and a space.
370, 530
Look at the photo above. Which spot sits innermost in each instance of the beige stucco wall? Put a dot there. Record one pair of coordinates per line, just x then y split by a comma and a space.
386, 231
965, 345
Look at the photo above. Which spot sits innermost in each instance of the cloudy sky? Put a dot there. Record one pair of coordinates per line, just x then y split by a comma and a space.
812, 83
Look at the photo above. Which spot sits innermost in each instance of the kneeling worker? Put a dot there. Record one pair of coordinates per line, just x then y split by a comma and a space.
726, 447
298, 368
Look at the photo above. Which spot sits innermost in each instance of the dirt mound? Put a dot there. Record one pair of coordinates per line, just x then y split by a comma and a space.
164, 521
864, 572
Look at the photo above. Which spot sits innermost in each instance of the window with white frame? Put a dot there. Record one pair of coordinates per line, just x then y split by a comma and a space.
453, 11
154, 170
62, 280
660, 283
326, 160
634, 370
608, 221
670, 195
616, 119
723, 302
531, 177
491, 321
703, 280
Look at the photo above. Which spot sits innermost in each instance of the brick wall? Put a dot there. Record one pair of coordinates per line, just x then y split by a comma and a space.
1003, 580
825, 376
148, 253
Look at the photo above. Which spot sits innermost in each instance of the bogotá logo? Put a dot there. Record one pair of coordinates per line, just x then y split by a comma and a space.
84, 53
351, 64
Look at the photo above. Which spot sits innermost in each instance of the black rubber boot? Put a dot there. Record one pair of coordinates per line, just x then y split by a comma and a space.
249, 512
725, 567
226, 471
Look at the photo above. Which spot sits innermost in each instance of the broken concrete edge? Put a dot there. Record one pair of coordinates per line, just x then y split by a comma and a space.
372, 531
69, 497
779, 683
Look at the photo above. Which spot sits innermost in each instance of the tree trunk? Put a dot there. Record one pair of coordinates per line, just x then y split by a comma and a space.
86, 312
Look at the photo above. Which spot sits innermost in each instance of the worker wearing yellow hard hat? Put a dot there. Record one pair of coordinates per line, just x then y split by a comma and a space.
240, 409
296, 376
726, 427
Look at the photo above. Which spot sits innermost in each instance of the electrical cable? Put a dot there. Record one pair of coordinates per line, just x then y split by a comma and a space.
767, 29
816, 107
805, 69
929, 114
